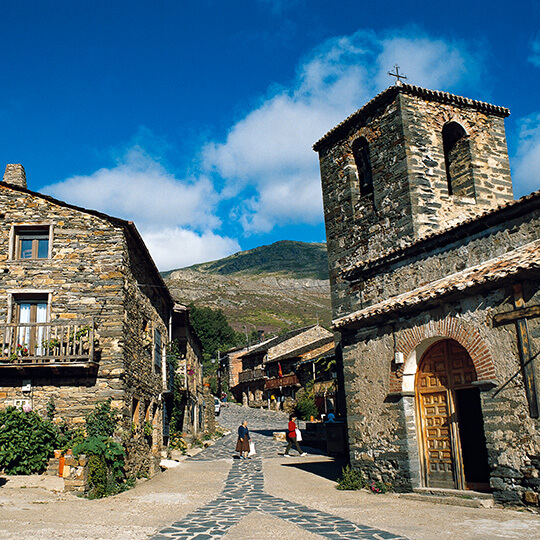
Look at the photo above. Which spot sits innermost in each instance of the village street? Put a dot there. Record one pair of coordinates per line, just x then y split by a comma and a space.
212, 495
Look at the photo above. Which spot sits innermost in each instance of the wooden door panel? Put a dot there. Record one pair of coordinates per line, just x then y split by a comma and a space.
437, 439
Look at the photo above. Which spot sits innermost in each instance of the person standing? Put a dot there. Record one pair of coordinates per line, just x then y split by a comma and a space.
242, 444
291, 436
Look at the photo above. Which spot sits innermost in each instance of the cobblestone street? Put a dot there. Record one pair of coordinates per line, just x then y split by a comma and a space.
244, 490
213, 494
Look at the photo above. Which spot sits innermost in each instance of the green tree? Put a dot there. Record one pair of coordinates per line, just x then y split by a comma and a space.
214, 331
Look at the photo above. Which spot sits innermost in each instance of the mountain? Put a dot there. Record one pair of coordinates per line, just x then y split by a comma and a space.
272, 288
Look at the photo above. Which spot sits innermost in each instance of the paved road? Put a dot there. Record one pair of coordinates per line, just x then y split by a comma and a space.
213, 495
244, 491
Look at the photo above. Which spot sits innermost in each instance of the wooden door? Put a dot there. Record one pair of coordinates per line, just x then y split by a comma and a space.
445, 369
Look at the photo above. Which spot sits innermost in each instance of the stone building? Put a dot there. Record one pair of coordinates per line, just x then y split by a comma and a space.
274, 370
189, 375
85, 317
435, 278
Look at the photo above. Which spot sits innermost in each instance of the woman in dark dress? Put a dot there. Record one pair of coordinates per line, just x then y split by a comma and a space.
242, 444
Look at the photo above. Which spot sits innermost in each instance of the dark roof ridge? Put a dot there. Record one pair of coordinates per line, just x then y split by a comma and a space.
434, 95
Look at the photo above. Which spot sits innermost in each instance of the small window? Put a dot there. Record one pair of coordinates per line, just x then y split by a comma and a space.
157, 349
360, 148
31, 243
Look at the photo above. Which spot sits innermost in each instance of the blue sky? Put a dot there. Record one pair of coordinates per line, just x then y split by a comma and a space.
195, 119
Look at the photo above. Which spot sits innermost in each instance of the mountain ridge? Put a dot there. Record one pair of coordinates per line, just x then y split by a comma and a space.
276, 287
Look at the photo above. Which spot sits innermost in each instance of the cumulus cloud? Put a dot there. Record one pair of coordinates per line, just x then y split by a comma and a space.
270, 148
174, 248
527, 159
140, 189
173, 215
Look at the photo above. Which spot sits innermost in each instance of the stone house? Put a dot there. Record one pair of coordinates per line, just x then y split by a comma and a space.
435, 279
189, 374
85, 317
275, 370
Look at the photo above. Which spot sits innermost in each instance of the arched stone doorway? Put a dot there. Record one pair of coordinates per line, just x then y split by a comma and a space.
450, 424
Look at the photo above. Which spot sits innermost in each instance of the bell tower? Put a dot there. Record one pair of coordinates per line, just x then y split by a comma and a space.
409, 163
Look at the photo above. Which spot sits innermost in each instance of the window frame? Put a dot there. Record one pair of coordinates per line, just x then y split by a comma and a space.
35, 232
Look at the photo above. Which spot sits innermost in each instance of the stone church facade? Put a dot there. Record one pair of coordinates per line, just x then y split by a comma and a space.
85, 317
435, 278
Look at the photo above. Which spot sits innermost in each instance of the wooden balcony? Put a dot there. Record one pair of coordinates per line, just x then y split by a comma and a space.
287, 380
251, 375
57, 345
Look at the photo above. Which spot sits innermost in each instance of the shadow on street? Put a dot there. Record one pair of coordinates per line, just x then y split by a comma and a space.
330, 471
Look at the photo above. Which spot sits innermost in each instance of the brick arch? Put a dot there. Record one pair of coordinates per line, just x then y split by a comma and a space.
451, 328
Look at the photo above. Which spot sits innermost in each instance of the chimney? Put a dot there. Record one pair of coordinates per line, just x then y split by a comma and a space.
15, 175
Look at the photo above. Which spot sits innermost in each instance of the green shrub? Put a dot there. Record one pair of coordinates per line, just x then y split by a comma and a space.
27, 441
97, 477
351, 479
106, 460
305, 406
102, 421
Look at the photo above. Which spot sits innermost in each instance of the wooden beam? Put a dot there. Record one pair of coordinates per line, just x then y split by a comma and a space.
512, 316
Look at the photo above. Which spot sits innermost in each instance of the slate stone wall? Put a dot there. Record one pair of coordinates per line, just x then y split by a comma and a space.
410, 189
380, 396
96, 271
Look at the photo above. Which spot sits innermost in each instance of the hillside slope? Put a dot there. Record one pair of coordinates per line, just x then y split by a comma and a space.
280, 286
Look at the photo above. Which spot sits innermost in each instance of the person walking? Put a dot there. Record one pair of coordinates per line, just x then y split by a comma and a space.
292, 437
242, 444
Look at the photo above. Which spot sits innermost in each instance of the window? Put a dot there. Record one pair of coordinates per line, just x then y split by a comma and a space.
157, 349
31, 242
360, 149
457, 159
29, 311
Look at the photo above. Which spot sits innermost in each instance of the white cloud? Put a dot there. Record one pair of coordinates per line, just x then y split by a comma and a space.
269, 150
140, 189
526, 163
173, 248
174, 216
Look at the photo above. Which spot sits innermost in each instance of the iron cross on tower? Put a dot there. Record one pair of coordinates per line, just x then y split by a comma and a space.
397, 75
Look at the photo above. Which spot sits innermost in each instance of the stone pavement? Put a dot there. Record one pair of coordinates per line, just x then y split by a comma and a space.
244, 490
269, 497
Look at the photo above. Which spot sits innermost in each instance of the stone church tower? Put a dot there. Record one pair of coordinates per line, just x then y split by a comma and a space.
428, 254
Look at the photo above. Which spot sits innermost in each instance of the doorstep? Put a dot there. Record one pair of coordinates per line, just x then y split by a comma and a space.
451, 497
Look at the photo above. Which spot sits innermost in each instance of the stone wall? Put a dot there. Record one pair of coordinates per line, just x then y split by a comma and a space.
410, 190
98, 270
380, 394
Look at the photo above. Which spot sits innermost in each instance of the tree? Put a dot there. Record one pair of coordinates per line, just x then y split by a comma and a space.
214, 331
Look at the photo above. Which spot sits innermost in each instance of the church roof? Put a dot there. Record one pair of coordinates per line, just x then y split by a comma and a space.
430, 95
524, 258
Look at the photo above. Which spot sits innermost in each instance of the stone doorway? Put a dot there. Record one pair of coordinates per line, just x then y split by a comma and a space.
450, 423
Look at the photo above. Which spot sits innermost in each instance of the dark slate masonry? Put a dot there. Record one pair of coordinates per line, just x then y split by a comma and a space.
435, 276
94, 271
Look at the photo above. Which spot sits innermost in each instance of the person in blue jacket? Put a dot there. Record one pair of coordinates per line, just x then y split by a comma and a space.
242, 444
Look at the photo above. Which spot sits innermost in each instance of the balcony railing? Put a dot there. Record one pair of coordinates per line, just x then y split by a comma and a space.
50, 343
288, 380
251, 375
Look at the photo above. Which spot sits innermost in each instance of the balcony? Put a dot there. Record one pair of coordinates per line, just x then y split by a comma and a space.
287, 380
30, 347
251, 375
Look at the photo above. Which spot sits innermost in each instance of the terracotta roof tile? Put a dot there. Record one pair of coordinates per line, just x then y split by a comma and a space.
526, 257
